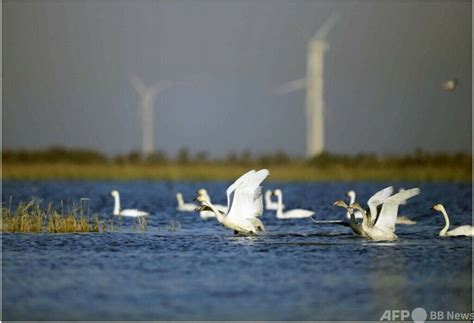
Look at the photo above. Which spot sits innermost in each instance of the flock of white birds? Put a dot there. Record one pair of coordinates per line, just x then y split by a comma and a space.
245, 206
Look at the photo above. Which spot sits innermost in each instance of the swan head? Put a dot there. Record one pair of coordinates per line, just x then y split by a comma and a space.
114, 193
340, 203
351, 194
277, 192
438, 207
202, 191
201, 198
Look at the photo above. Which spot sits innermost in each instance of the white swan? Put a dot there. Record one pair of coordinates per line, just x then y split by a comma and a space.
269, 204
207, 214
383, 228
128, 212
464, 230
291, 214
245, 203
184, 207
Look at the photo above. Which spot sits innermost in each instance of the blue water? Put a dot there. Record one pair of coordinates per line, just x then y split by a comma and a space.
297, 270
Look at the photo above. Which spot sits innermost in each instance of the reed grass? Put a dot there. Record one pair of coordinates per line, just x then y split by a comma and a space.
140, 224
294, 171
33, 217
173, 226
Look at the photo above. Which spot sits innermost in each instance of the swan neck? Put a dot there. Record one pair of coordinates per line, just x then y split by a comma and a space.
279, 211
180, 200
116, 205
365, 219
268, 199
353, 224
351, 201
446, 225
352, 218
218, 214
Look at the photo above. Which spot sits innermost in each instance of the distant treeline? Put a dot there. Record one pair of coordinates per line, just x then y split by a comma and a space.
85, 156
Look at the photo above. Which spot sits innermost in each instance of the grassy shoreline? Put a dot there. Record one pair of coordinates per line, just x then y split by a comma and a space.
293, 171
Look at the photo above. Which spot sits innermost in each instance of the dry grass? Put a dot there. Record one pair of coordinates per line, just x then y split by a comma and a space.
294, 171
33, 217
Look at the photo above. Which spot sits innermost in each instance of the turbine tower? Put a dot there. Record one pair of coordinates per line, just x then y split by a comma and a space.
314, 88
147, 95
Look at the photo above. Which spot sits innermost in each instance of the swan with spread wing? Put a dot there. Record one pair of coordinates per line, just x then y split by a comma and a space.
244, 203
385, 193
375, 200
381, 227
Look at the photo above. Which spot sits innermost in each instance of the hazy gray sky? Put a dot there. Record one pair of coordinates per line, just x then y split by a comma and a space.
67, 68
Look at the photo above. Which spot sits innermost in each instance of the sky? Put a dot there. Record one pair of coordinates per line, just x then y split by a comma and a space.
67, 67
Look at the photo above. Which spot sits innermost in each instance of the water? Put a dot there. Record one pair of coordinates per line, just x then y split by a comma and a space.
298, 270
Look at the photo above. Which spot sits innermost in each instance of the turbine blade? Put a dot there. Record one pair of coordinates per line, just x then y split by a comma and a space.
326, 27
160, 86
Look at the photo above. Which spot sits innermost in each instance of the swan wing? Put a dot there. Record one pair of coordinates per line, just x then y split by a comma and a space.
388, 215
246, 197
378, 199
231, 189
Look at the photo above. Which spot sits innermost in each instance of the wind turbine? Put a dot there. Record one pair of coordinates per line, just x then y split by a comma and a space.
314, 88
147, 95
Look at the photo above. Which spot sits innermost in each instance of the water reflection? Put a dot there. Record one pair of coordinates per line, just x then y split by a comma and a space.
388, 277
